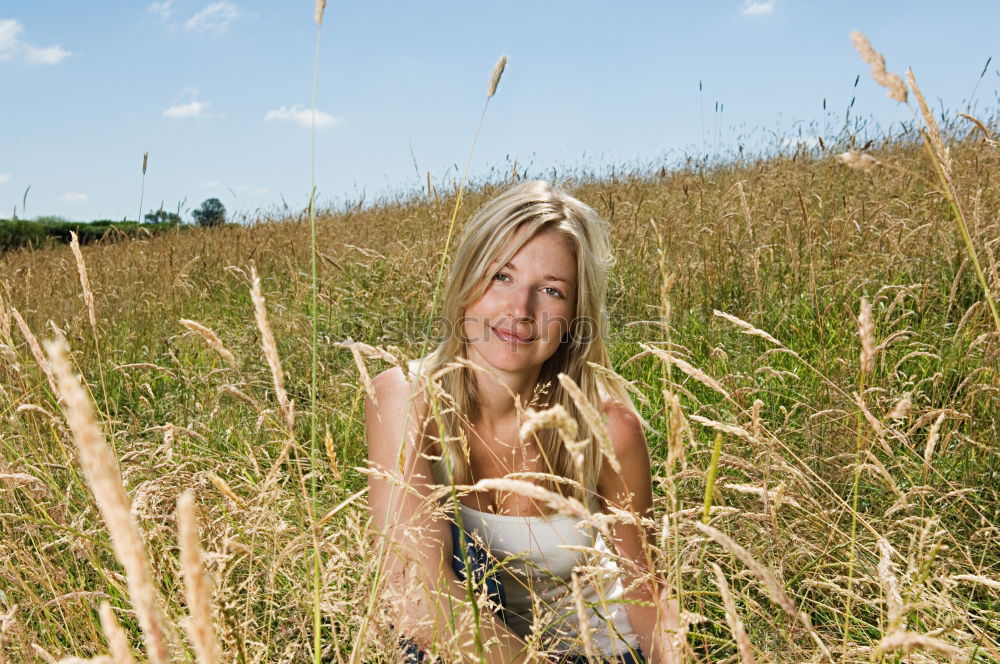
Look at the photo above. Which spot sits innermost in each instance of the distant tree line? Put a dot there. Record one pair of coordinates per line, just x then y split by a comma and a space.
18, 233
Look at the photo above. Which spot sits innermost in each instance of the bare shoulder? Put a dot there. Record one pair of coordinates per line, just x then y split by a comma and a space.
630, 486
396, 409
394, 390
624, 428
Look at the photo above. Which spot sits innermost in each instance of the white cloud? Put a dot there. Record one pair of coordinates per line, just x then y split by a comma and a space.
215, 17
4, 177
52, 55
162, 9
9, 32
74, 197
11, 44
191, 110
303, 116
758, 7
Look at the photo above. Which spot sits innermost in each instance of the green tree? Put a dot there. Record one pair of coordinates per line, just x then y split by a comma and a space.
161, 216
211, 213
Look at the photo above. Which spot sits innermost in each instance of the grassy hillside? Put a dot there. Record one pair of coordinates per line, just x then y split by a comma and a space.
825, 463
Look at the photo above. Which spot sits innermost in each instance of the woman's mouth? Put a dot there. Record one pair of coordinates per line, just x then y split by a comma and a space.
510, 337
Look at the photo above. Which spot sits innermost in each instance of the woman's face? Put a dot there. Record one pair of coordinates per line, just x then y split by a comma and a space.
520, 320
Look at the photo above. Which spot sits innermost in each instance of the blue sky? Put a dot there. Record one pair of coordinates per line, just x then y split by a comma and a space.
218, 92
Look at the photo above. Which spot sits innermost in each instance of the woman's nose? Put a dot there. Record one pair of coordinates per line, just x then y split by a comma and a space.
519, 304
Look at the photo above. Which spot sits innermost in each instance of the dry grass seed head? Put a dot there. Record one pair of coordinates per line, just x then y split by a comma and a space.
733, 618
901, 409
685, 367
226, 490
933, 132
271, 350
197, 584
581, 614
675, 444
747, 327
101, 470
866, 329
774, 589
593, 418
211, 338
908, 642
892, 82
36, 349
932, 438
498, 68
887, 577
88, 294
121, 650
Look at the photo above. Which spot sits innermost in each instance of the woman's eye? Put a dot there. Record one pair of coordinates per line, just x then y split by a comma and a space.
497, 276
554, 292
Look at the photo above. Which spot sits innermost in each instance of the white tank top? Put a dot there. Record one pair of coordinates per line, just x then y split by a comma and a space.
536, 577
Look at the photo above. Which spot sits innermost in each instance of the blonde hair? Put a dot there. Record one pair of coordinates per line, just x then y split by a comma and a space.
537, 207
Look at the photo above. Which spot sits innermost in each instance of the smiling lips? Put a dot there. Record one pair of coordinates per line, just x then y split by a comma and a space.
512, 337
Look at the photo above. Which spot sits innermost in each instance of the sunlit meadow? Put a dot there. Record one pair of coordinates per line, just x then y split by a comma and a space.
810, 343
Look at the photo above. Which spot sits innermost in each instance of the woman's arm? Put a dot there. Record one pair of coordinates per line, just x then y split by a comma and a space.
632, 491
423, 578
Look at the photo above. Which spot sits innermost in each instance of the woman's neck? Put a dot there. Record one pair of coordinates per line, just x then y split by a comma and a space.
496, 394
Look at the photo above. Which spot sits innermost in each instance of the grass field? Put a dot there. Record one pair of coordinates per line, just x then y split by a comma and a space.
868, 499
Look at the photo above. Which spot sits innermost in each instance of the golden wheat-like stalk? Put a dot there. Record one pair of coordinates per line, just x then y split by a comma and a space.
561, 504
978, 578
774, 589
226, 490
36, 349
495, 76
686, 367
320, 8
747, 327
5, 324
887, 577
270, 350
892, 82
901, 409
932, 438
88, 294
555, 417
933, 132
593, 419
675, 444
733, 618
211, 338
910, 641
331, 455
198, 585
731, 429
581, 614
866, 330
121, 650
101, 470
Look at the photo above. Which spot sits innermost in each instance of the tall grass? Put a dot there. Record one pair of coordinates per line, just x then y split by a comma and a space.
849, 519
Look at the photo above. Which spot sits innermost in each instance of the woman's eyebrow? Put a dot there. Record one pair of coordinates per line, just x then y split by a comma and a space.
548, 277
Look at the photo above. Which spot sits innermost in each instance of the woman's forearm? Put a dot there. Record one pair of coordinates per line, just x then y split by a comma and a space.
426, 616
655, 622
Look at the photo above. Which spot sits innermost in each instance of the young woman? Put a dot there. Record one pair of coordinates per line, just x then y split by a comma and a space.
525, 311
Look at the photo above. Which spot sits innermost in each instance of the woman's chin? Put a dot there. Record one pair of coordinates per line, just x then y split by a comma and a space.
512, 359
